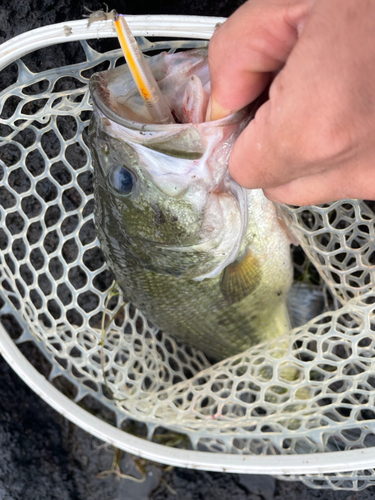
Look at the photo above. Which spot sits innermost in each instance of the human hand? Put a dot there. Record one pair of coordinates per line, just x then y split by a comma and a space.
313, 141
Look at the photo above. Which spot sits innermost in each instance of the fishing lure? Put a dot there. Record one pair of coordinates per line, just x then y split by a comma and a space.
143, 77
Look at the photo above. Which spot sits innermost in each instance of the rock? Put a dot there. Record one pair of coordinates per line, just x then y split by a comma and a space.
259, 484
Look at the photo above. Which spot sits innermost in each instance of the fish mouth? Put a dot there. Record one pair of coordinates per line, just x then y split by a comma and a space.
175, 248
102, 98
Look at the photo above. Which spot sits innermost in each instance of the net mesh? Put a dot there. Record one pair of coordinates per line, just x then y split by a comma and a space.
307, 392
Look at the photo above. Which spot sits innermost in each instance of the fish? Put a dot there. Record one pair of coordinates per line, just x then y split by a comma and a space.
204, 259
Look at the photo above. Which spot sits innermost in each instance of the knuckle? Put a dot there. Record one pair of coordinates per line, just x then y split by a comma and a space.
316, 141
287, 195
328, 143
305, 131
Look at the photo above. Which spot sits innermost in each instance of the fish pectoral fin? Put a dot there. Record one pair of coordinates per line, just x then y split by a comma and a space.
241, 278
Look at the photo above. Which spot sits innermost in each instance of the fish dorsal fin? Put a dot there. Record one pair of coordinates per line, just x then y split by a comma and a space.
241, 278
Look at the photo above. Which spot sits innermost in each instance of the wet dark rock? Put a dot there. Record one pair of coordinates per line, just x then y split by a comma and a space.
45, 457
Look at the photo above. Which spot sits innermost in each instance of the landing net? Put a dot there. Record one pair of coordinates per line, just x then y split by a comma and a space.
308, 392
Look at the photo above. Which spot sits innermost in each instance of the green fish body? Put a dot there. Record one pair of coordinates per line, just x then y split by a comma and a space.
205, 259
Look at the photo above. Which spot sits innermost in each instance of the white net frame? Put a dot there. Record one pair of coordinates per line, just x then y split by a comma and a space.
308, 393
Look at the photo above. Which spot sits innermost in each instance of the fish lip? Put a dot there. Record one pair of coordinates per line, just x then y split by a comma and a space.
173, 247
98, 88
239, 193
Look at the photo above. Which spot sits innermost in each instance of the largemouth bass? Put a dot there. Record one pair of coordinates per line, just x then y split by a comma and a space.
205, 259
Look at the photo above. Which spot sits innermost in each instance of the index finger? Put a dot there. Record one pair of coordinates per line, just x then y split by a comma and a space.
251, 45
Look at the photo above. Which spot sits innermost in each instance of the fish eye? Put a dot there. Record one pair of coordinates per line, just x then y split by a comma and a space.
121, 179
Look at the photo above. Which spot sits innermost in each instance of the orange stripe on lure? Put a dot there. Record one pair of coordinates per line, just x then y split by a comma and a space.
142, 74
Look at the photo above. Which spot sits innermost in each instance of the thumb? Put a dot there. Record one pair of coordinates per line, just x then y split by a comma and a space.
252, 161
251, 45
267, 154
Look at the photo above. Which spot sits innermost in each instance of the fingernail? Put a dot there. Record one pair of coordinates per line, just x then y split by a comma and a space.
208, 112
215, 111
